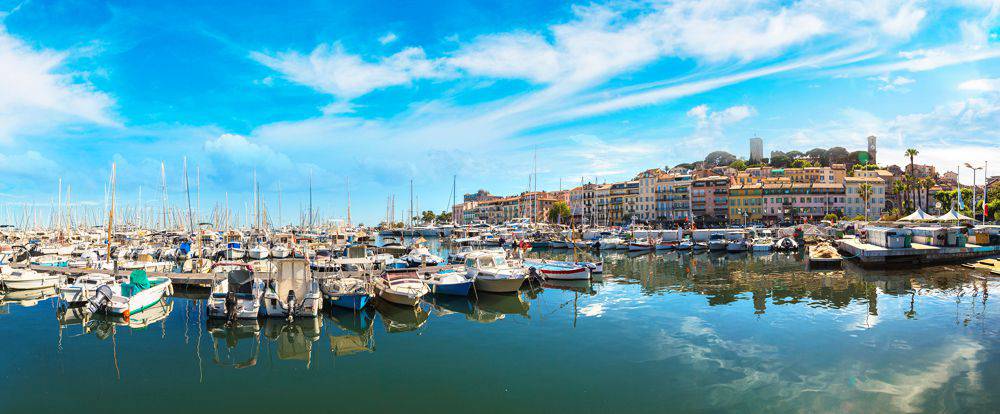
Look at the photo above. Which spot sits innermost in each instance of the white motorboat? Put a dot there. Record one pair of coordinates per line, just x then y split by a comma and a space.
234, 251
24, 279
560, 270
717, 242
493, 273
402, 287
420, 256
280, 251
139, 293
641, 245
259, 252
237, 295
609, 243
292, 291
736, 246
762, 244
84, 287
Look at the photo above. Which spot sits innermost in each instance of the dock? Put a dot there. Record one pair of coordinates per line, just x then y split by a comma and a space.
189, 279
872, 256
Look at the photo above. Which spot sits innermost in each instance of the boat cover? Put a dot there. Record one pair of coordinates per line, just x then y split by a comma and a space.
138, 282
240, 281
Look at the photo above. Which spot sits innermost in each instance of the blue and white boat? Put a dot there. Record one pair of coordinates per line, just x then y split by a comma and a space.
448, 282
347, 292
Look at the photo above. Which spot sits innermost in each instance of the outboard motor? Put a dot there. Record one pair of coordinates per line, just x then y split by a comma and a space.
231, 306
100, 299
534, 275
291, 304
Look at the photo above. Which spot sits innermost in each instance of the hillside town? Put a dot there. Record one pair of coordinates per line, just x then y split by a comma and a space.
724, 190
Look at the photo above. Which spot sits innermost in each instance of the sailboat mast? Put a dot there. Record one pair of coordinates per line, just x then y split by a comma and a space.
111, 212
187, 189
163, 187
348, 201
310, 199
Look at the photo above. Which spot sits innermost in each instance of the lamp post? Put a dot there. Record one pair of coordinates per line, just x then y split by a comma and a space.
969, 166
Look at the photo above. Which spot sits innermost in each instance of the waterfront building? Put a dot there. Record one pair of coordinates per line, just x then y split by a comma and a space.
624, 197
856, 204
673, 199
745, 203
920, 171
464, 212
481, 195
645, 209
582, 204
710, 200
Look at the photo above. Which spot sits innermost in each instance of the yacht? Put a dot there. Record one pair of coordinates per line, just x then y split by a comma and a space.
717, 242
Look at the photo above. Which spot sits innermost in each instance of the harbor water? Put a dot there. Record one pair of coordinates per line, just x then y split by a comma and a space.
660, 332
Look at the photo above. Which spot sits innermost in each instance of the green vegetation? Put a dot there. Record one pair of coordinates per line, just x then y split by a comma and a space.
739, 165
560, 213
830, 217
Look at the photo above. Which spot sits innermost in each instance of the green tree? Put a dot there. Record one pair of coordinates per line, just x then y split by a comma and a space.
830, 217
560, 213
739, 165
780, 161
801, 164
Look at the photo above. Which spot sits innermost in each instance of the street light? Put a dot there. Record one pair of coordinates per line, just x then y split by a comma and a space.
969, 166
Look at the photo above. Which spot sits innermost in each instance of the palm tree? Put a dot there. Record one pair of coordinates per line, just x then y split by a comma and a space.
927, 184
912, 152
865, 189
899, 189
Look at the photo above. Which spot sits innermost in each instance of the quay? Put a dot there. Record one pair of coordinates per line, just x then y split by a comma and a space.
872, 256
188, 279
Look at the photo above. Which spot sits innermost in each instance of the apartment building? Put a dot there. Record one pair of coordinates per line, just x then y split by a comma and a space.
710, 200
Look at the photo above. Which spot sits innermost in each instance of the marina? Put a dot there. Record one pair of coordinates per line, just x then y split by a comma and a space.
742, 329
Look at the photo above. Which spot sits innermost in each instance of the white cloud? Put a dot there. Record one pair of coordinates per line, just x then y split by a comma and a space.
710, 124
37, 93
981, 85
330, 69
889, 83
387, 38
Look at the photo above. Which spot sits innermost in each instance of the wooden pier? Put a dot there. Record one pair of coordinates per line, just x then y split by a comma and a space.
191, 279
869, 255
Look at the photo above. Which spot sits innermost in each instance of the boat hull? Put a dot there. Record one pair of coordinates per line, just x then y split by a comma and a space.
350, 301
142, 300
499, 285
47, 281
452, 289
399, 298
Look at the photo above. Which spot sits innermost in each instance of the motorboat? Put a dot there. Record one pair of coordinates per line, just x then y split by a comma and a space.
258, 252
280, 251
234, 251
762, 244
83, 288
493, 273
24, 279
135, 295
347, 292
292, 290
421, 256
454, 282
717, 242
402, 287
666, 245
641, 245
237, 295
559, 270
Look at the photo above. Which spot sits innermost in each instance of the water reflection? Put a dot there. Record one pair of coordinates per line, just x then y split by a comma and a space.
739, 329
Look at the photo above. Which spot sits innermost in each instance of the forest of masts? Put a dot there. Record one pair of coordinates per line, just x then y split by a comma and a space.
62, 213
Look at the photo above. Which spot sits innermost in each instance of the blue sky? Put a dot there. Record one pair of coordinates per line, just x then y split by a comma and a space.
385, 92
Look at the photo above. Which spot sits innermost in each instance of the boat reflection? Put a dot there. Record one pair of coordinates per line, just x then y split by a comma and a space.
491, 307
26, 298
294, 339
358, 332
233, 333
396, 318
578, 286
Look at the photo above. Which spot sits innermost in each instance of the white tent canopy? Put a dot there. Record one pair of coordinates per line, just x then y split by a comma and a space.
918, 215
953, 215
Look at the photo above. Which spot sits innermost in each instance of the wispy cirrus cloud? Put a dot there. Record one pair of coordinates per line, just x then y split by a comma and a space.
38, 94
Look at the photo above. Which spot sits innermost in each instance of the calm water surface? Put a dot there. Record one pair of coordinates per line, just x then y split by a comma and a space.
666, 332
